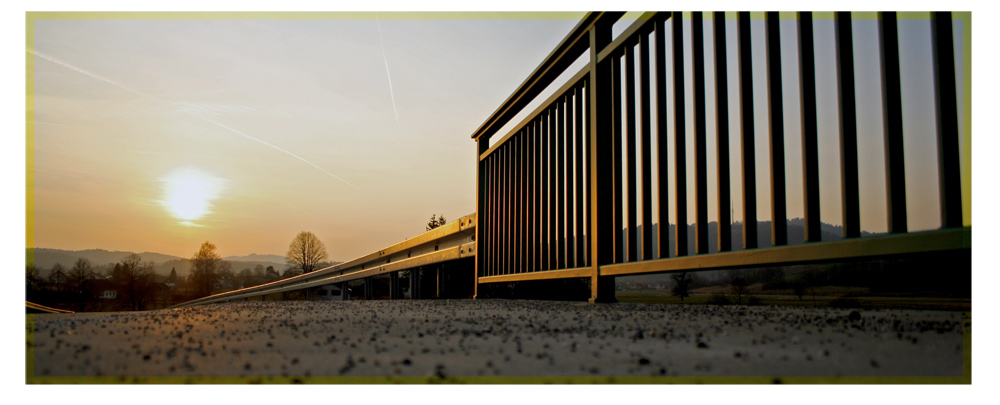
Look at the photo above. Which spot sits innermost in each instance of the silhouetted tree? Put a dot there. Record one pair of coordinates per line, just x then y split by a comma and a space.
31, 280
739, 286
134, 280
682, 285
246, 278
57, 277
306, 251
227, 278
272, 274
77, 277
173, 275
79, 273
204, 267
259, 275
435, 222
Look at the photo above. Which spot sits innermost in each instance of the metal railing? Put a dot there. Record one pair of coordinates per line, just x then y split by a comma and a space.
452, 241
561, 194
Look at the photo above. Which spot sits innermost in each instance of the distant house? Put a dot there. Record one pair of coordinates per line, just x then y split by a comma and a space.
329, 292
58, 280
103, 289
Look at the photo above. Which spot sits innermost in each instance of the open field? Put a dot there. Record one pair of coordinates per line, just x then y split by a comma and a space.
536, 341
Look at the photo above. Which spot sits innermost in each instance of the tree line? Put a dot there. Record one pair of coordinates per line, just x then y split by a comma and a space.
133, 284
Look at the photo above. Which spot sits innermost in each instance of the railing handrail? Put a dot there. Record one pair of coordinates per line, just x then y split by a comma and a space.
572, 46
436, 235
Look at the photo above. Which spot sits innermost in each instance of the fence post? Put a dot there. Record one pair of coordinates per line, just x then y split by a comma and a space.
602, 288
394, 285
482, 144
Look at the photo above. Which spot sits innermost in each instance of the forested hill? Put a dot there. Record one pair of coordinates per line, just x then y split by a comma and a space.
45, 258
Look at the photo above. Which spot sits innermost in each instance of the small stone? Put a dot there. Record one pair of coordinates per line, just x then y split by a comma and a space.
702, 345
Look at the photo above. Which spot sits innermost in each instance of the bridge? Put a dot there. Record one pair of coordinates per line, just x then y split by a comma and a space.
565, 191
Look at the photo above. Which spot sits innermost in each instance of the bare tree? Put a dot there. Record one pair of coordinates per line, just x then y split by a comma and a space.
306, 252
134, 278
57, 277
204, 269
77, 277
79, 273
682, 285
739, 286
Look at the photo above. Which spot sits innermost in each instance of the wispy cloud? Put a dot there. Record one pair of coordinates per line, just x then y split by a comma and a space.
386, 63
280, 150
194, 109
87, 73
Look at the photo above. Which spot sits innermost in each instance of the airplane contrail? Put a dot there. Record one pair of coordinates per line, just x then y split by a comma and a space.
86, 73
126, 88
280, 150
386, 62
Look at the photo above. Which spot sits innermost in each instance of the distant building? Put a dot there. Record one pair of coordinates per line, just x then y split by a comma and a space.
329, 292
58, 280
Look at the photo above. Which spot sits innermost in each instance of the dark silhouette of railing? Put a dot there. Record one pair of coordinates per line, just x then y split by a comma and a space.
568, 191
558, 196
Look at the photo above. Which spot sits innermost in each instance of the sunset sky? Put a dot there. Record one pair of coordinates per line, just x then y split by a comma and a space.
157, 134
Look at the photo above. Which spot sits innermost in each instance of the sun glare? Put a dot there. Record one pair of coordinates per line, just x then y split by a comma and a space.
188, 194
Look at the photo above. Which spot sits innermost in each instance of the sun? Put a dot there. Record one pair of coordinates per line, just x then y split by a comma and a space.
188, 194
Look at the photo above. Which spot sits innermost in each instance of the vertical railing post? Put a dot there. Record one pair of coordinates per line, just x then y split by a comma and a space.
810, 151
776, 135
892, 123
394, 285
850, 200
700, 149
662, 182
946, 109
600, 207
744, 52
680, 134
645, 134
482, 144
725, 234
415, 283
632, 252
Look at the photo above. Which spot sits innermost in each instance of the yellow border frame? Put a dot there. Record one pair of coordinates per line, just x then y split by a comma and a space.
30, 378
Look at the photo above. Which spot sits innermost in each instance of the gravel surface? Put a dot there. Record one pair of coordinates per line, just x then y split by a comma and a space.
496, 338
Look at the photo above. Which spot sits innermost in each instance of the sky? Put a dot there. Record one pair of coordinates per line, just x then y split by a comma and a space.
159, 134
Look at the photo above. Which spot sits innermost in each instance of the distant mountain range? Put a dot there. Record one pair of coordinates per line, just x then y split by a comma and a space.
44, 259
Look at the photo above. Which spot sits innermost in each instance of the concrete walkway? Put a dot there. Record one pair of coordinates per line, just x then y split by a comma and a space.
496, 338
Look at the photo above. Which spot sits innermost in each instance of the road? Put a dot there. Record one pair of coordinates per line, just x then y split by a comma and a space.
493, 338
